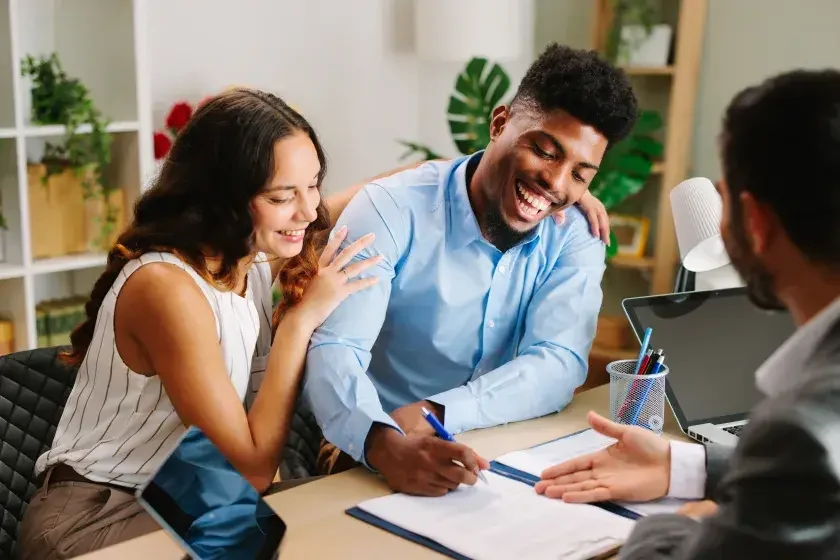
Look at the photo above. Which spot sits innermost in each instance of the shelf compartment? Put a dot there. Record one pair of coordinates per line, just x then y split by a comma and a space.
11, 253
94, 40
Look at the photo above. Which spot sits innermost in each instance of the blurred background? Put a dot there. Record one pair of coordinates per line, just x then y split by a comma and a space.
93, 91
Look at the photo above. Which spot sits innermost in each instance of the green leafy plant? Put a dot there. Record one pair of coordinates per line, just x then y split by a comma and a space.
58, 99
627, 166
480, 87
644, 13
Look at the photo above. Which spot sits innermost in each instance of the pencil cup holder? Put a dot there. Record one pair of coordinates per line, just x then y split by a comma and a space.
637, 400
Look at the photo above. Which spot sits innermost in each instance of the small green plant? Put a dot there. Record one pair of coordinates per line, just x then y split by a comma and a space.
58, 99
480, 87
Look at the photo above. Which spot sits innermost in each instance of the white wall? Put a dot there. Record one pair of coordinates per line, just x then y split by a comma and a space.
344, 65
747, 41
348, 66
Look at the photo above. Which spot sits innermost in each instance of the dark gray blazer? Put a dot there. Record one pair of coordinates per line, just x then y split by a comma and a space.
778, 491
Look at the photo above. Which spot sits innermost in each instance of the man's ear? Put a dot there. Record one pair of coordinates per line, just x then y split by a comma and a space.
758, 220
498, 119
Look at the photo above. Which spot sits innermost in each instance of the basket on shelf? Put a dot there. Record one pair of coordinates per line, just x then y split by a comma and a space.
61, 220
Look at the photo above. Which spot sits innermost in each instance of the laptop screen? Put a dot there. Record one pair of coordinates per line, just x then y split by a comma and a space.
714, 342
208, 507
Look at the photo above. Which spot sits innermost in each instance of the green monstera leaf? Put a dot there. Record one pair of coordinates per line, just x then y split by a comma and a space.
479, 88
628, 164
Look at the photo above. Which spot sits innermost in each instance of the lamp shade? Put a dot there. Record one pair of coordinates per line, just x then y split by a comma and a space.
697, 208
457, 30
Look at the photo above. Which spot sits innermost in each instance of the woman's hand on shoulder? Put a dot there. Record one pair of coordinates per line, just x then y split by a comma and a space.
596, 215
336, 278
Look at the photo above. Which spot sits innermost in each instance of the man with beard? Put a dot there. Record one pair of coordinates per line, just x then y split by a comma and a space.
777, 494
486, 308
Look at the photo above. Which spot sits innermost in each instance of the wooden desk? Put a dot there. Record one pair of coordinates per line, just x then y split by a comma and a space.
314, 512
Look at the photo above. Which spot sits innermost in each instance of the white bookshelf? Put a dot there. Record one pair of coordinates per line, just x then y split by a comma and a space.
103, 43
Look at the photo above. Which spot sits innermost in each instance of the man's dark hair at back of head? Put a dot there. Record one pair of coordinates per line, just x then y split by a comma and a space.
584, 85
781, 143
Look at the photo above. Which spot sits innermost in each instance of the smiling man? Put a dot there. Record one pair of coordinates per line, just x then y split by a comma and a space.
485, 310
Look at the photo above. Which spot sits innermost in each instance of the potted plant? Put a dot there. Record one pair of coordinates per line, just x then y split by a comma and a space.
81, 156
636, 36
623, 172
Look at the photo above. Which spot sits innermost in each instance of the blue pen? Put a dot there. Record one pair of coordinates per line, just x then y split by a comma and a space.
657, 367
443, 434
645, 344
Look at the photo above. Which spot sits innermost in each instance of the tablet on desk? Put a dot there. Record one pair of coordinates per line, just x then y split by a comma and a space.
208, 507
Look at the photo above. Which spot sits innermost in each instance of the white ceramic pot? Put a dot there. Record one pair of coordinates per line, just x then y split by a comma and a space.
640, 49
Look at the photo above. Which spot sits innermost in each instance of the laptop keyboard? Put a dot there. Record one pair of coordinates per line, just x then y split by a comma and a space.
734, 430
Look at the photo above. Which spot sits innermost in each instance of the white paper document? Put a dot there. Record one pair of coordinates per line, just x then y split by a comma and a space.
505, 520
535, 460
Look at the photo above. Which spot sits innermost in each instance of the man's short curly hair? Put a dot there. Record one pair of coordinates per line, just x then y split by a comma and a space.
583, 84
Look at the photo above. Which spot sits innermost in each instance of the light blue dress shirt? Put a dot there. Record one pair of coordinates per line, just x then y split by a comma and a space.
493, 337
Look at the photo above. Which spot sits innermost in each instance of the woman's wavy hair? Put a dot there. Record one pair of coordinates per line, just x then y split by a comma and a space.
200, 202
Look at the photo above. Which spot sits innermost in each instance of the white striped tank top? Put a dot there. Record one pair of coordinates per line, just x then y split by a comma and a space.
118, 425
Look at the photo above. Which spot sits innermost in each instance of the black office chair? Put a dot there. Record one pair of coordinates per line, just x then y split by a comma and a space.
34, 386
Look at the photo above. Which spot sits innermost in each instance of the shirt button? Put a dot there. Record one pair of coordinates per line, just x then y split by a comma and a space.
491, 323
502, 269
350, 448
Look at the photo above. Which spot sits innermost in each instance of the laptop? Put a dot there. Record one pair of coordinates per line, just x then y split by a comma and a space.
714, 341
208, 507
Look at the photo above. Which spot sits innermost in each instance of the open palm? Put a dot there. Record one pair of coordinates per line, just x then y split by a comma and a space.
635, 468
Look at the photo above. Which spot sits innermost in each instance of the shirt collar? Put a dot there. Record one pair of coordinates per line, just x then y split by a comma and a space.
785, 369
464, 227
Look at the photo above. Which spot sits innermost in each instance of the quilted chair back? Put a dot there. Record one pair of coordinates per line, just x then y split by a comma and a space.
34, 386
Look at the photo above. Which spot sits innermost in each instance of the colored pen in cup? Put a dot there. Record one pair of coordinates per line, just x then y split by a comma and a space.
443, 434
643, 349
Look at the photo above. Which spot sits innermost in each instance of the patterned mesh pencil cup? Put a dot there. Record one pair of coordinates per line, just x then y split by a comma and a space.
637, 400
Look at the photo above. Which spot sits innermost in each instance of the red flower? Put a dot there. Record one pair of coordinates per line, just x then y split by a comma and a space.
178, 116
162, 145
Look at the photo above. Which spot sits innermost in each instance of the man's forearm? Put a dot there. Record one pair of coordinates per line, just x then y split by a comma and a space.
540, 381
342, 397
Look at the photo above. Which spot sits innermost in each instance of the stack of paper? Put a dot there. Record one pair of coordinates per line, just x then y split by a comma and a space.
505, 519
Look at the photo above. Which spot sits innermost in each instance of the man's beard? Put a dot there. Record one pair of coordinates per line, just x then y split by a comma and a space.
759, 281
498, 231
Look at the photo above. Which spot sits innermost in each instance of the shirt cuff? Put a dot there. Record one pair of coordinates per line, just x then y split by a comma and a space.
357, 429
688, 471
460, 409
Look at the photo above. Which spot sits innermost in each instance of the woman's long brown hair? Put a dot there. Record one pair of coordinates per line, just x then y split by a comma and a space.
200, 203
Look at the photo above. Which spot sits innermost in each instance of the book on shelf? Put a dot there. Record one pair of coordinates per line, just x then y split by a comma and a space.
55, 319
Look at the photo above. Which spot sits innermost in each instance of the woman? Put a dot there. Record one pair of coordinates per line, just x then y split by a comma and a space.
173, 322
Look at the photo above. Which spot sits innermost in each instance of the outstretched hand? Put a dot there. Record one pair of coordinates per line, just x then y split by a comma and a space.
635, 468
596, 215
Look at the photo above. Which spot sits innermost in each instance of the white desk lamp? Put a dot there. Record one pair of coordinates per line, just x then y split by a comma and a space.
697, 208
